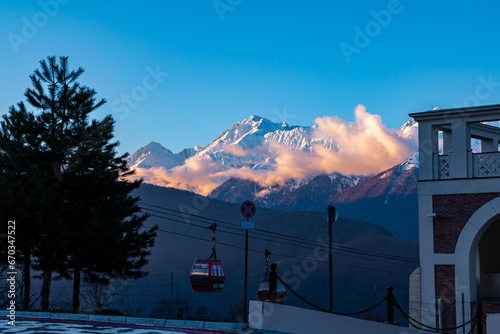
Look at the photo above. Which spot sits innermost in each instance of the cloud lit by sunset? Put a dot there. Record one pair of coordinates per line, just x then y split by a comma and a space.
363, 147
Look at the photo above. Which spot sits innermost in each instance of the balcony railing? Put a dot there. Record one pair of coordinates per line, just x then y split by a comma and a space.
486, 164
480, 165
443, 167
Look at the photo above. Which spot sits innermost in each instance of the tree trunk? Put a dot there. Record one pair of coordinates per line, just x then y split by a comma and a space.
47, 280
27, 279
76, 288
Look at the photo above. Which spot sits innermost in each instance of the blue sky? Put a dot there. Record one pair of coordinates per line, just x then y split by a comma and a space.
229, 59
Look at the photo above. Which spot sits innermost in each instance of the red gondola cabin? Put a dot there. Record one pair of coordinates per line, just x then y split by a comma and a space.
207, 275
263, 291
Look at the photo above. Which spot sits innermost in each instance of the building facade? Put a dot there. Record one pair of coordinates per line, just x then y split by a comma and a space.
459, 214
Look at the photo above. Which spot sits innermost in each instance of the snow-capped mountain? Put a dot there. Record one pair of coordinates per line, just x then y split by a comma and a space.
409, 129
388, 199
281, 166
256, 143
256, 131
247, 143
154, 155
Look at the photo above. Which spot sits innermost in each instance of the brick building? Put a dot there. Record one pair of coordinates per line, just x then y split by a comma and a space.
459, 215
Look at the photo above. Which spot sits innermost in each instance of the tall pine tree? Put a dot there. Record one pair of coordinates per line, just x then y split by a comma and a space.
86, 220
26, 195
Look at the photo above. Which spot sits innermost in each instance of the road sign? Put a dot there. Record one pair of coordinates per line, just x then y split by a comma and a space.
248, 209
332, 214
247, 225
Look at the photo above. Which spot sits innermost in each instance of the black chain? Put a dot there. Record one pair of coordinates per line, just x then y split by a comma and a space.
324, 310
430, 329
472, 328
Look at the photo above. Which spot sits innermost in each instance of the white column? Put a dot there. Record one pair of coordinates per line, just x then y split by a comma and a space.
447, 142
487, 146
460, 144
427, 261
427, 145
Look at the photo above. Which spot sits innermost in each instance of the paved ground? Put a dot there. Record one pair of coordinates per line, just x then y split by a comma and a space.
46, 327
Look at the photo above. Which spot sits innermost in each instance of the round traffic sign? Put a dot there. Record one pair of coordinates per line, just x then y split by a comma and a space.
332, 214
248, 209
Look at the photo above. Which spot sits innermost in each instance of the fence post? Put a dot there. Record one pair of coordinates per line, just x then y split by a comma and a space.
480, 322
390, 306
273, 283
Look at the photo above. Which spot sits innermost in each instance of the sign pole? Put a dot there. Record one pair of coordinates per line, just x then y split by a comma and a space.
247, 210
246, 277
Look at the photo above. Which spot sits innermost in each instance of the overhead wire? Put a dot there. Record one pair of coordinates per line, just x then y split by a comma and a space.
294, 245
277, 254
285, 243
289, 237
348, 251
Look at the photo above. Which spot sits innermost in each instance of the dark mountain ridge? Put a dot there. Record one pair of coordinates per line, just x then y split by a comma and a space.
297, 240
388, 199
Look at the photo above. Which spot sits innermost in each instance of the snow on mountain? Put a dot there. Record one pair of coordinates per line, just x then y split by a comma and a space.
409, 129
412, 162
305, 195
232, 167
388, 199
245, 144
154, 155
400, 179
269, 153
255, 131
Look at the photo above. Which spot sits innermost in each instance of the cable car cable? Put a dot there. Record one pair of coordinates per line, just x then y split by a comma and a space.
302, 241
346, 252
281, 255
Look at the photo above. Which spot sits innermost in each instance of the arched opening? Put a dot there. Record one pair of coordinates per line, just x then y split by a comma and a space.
488, 264
470, 284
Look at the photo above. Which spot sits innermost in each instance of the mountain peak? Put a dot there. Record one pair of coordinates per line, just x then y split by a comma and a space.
156, 155
411, 162
153, 146
409, 123
255, 118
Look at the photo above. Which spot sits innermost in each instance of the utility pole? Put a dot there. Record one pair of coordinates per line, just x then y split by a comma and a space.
331, 217
374, 299
171, 294
330, 266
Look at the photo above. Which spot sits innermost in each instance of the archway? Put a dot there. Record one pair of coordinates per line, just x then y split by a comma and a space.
468, 257
488, 265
